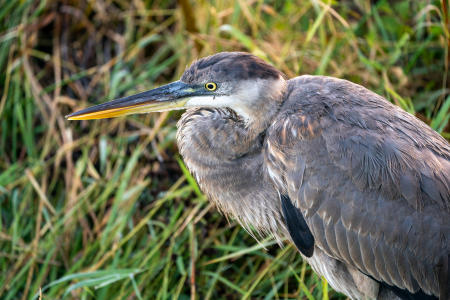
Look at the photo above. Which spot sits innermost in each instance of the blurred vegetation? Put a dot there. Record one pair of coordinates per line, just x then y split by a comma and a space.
105, 209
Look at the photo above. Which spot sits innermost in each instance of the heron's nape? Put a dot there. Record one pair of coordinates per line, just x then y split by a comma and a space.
168, 97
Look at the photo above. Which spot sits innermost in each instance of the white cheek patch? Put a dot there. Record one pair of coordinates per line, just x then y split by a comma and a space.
207, 101
219, 101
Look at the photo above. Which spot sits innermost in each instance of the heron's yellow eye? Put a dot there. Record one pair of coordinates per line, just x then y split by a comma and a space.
211, 86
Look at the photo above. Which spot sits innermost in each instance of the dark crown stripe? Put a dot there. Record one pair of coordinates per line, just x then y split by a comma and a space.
235, 65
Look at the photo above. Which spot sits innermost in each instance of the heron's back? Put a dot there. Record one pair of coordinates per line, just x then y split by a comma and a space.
371, 180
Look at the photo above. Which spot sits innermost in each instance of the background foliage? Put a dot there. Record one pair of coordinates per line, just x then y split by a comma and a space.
105, 209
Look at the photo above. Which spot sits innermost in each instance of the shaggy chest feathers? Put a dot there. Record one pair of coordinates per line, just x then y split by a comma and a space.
228, 164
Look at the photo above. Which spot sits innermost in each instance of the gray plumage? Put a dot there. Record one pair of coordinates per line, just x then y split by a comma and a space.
361, 187
371, 180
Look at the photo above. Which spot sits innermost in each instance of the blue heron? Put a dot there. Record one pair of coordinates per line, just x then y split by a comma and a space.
361, 187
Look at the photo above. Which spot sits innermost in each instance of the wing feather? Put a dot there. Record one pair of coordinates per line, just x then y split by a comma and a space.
297, 227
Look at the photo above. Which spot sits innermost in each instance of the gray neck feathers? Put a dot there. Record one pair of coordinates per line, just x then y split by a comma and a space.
225, 155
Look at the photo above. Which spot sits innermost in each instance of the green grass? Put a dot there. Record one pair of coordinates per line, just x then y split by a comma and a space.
105, 209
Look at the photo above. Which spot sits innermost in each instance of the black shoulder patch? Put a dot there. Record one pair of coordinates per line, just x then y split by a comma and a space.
297, 227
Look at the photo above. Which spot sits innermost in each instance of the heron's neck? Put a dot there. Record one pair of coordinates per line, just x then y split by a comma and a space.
258, 102
216, 136
225, 156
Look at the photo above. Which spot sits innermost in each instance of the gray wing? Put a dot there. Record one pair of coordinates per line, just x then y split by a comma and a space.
371, 180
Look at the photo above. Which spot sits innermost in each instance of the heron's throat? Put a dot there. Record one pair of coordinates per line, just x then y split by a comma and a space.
227, 162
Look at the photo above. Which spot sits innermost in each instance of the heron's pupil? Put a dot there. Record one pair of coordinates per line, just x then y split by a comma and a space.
211, 86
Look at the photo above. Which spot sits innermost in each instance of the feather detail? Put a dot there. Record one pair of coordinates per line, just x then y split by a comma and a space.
297, 227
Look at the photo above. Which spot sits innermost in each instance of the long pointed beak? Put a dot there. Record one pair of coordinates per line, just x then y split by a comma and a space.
167, 97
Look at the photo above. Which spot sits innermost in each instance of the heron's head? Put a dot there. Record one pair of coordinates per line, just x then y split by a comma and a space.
236, 80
